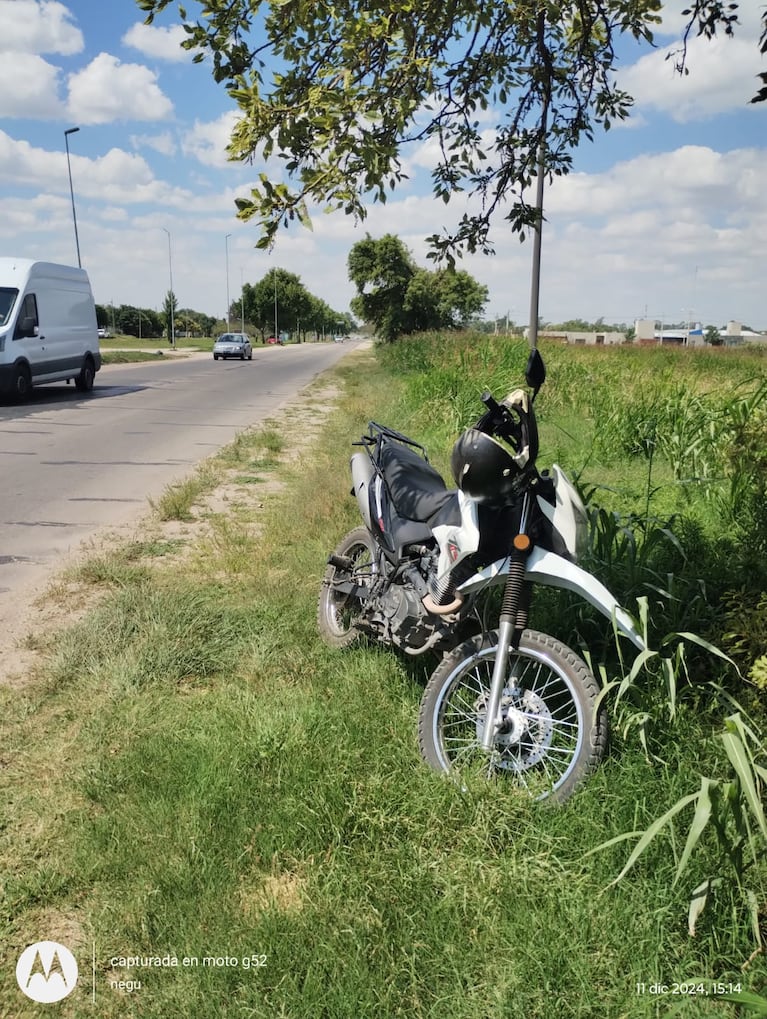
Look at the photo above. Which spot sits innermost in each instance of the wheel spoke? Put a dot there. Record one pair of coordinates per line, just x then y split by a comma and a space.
339, 611
547, 715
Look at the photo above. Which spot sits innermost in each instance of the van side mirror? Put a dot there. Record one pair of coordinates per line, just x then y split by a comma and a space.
27, 327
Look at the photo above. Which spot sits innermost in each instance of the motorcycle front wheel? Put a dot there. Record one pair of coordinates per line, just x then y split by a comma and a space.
551, 736
337, 610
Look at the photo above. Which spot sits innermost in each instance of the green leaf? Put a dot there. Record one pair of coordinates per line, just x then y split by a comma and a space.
753, 911
693, 638
699, 900
640, 661
612, 842
741, 762
753, 1002
655, 828
698, 826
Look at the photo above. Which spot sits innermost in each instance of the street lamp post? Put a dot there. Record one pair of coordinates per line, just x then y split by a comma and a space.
276, 334
242, 302
67, 133
226, 241
171, 295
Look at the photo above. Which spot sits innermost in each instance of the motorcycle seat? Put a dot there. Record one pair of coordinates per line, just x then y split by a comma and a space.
415, 487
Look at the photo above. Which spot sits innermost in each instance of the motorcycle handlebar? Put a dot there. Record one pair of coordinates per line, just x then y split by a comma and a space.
516, 426
498, 420
490, 402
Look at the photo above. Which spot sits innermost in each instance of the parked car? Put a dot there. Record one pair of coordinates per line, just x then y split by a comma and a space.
274, 339
104, 334
233, 345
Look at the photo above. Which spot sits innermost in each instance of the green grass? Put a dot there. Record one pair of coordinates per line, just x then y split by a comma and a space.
160, 343
130, 356
195, 774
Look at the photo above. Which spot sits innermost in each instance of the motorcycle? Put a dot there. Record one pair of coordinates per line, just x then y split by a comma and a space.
418, 576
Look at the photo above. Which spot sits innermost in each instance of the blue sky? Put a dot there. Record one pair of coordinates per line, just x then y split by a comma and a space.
665, 216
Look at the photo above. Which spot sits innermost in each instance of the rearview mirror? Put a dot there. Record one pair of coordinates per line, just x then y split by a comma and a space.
535, 372
27, 327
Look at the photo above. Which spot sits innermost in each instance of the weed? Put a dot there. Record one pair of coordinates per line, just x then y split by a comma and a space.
212, 780
177, 500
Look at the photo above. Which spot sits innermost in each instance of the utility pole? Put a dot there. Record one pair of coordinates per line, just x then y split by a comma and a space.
276, 334
226, 242
171, 295
72, 130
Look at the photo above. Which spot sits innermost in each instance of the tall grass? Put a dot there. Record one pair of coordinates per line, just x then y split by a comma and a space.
700, 445
196, 775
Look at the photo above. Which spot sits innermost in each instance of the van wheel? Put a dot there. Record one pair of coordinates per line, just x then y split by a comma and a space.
84, 381
21, 384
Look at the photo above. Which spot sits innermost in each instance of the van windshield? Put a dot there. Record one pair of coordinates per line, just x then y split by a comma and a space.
8, 297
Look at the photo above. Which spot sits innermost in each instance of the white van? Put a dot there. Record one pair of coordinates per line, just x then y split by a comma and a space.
48, 330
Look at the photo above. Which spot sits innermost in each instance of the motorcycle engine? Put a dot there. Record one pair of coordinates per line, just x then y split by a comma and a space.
400, 612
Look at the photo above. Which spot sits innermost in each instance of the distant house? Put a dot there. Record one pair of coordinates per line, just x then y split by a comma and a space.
732, 335
601, 338
646, 333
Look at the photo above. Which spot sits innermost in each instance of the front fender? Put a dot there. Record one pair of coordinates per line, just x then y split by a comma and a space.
553, 570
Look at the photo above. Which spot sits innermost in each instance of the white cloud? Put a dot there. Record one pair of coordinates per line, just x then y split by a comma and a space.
121, 176
29, 87
115, 214
722, 77
164, 143
670, 233
30, 26
118, 176
23, 165
34, 215
108, 90
207, 142
161, 43
748, 24
713, 184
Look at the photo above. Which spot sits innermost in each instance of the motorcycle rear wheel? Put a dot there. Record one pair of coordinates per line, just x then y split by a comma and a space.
553, 736
336, 611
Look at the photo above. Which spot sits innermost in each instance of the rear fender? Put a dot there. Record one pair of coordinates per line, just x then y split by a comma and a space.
363, 474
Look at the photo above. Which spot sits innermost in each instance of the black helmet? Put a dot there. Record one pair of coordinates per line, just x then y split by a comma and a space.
484, 468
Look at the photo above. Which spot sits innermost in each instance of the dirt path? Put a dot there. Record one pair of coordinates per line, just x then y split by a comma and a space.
56, 599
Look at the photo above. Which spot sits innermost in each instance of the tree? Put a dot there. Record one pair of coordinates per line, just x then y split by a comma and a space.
170, 307
462, 298
280, 302
382, 270
186, 324
102, 316
338, 91
713, 336
422, 302
268, 304
396, 296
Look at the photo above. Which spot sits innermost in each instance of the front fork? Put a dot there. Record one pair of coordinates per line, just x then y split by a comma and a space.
513, 620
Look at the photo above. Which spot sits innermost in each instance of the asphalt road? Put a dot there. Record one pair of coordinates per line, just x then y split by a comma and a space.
72, 464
